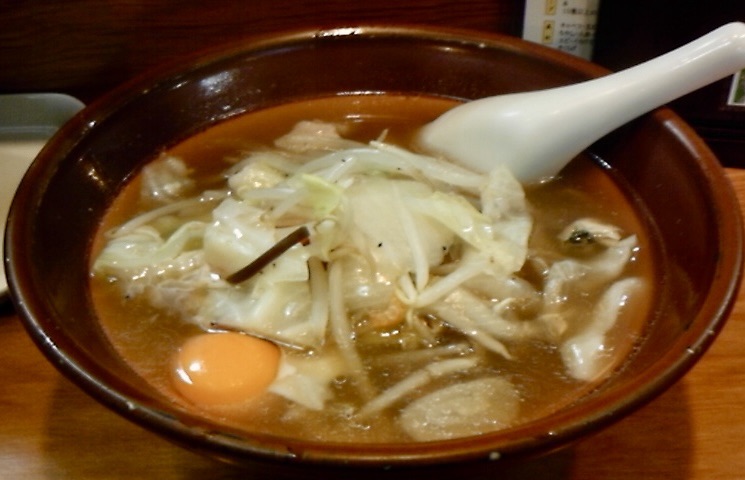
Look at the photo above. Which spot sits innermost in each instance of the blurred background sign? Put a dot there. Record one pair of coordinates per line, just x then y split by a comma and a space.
567, 25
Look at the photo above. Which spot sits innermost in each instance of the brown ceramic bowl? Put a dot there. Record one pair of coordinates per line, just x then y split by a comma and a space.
74, 179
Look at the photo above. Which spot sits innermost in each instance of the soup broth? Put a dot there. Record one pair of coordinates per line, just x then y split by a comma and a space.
410, 367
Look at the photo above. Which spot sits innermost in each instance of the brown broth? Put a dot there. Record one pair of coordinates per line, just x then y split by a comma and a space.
147, 339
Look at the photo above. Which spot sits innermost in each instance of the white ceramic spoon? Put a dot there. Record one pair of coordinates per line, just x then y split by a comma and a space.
536, 134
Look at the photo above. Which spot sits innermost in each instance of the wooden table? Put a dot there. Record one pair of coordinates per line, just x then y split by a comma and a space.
51, 430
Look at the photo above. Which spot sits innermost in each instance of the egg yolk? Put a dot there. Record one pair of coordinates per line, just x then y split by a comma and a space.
215, 369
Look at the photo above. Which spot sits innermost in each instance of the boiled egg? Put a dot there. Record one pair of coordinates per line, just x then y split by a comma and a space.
227, 368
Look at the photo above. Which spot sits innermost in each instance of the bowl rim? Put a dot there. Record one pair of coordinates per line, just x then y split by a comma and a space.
525, 440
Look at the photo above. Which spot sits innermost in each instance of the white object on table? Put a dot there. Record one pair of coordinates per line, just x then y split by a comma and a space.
27, 121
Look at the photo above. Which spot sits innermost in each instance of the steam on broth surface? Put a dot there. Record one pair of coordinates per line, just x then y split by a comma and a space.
430, 303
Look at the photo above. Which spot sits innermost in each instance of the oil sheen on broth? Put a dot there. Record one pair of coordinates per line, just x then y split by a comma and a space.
490, 352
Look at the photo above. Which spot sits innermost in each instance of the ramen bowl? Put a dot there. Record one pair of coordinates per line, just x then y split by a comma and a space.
679, 183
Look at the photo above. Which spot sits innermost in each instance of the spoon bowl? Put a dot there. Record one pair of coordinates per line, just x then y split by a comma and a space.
535, 134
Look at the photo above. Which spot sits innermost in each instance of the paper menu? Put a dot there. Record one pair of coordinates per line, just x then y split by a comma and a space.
567, 25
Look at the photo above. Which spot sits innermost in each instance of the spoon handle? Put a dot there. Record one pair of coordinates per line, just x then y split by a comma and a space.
623, 96
535, 134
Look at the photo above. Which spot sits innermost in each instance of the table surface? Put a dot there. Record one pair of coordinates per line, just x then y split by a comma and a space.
696, 430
